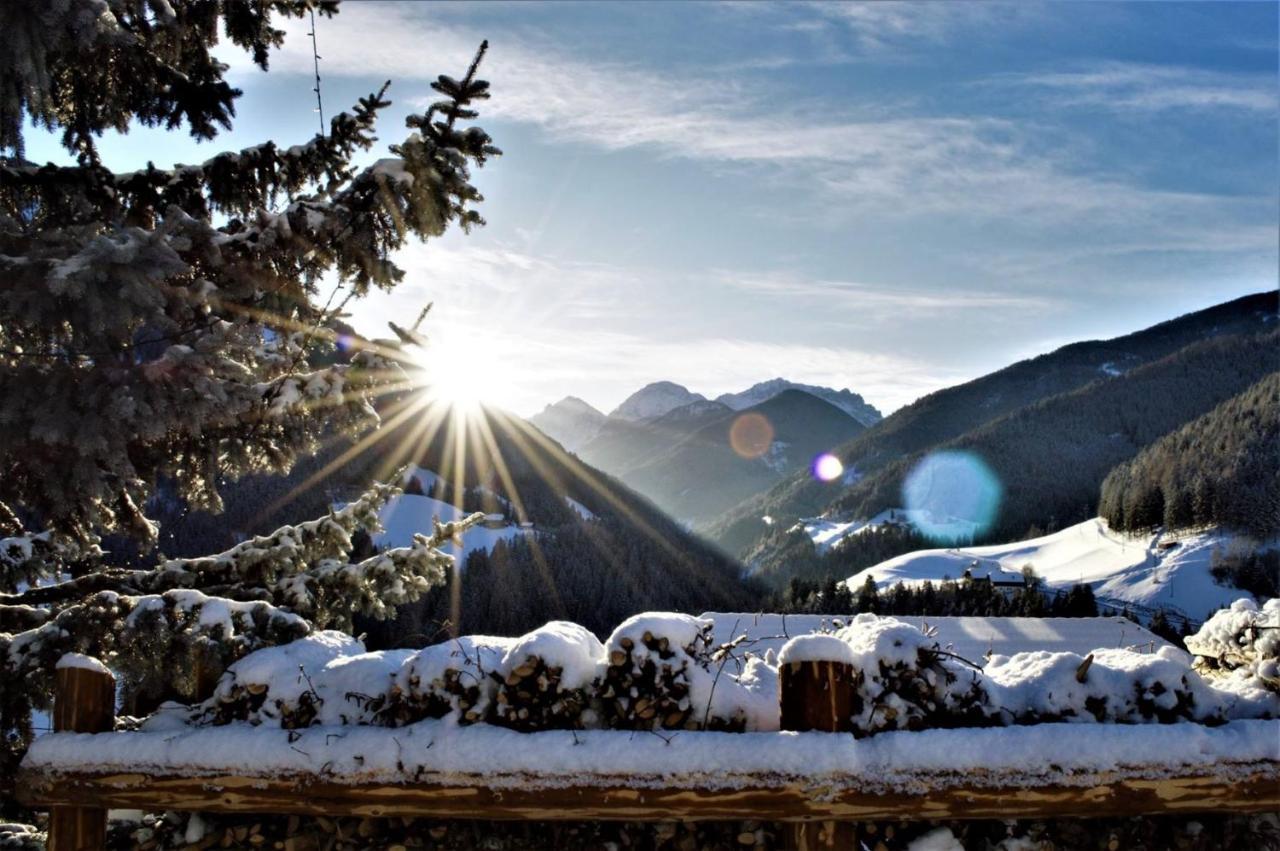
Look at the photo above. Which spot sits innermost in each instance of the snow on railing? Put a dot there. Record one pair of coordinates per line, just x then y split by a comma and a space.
411, 755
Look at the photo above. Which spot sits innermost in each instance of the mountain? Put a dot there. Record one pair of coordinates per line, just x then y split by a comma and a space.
570, 421
846, 400
654, 400
940, 418
712, 468
621, 445
571, 542
1220, 469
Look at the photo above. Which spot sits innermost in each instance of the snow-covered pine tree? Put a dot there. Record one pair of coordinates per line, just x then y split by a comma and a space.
159, 324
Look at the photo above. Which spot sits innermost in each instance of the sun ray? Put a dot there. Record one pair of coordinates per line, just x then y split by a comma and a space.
485, 432
406, 409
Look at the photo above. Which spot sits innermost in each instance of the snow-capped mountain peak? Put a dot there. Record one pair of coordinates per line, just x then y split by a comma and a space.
654, 400
571, 421
846, 400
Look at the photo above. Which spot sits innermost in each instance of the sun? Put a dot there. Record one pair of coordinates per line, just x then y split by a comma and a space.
463, 370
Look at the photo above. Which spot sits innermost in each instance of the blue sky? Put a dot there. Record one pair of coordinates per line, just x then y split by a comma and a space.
890, 197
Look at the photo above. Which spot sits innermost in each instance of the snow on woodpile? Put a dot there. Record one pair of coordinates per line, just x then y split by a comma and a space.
1115, 686
974, 638
904, 679
546, 678
664, 673
322, 703
454, 679
1242, 645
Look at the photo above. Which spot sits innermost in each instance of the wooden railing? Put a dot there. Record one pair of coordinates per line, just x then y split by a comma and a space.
814, 696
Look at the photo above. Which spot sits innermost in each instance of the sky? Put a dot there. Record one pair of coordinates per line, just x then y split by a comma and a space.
889, 197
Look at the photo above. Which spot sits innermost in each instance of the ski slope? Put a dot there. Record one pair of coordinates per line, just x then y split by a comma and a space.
1121, 569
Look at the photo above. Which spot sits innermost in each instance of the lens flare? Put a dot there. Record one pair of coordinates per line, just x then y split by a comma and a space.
952, 497
751, 435
827, 467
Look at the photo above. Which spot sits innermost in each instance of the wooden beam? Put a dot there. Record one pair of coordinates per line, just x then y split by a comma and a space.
1247, 789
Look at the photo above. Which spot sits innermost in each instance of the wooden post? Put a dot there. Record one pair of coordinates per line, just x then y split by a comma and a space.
817, 696
84, 702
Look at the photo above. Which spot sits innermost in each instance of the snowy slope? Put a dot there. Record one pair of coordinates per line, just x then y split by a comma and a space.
827, 533
408, 514
654, 400
974, 638
1120, 568
846, 400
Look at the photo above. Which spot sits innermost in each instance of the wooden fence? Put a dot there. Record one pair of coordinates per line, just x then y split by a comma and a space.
814, 696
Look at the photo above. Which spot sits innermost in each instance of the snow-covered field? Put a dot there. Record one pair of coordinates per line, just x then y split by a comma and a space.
412, 514
974, 638
408, 514
827, 533
1119, 568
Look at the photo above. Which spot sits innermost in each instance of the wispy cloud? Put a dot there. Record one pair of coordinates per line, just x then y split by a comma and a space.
866, 298
1130, 87
595, 339
892, 166
894, 25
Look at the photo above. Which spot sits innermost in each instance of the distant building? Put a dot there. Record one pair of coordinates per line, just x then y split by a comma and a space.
495, 521
996, 576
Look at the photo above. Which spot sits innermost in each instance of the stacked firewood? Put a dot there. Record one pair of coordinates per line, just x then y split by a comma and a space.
250, 701
661, 675
531, 696
450, 678
932, 692
546, 678
187, 832
904, 681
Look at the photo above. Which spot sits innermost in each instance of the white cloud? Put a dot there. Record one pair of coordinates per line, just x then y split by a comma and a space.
884, 26
879, 299
886, 166
1132, 87
557, 326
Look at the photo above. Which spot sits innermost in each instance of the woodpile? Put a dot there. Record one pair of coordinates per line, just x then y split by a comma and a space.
934, 692
251, 701
451, 689
662, 675
175, 832
531, 697
647, 683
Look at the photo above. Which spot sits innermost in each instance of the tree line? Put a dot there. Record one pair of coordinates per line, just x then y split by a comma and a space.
1217, 470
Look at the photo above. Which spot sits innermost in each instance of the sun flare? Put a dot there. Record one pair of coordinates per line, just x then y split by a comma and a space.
463, 370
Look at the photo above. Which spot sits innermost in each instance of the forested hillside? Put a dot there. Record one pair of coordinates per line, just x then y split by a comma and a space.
947, 414
621, 445
711, 470
610, 555
1222, 469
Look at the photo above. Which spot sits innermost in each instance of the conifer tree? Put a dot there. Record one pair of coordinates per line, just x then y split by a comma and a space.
170, 325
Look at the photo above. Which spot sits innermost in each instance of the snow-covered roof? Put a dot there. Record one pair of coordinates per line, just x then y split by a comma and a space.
974, 638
